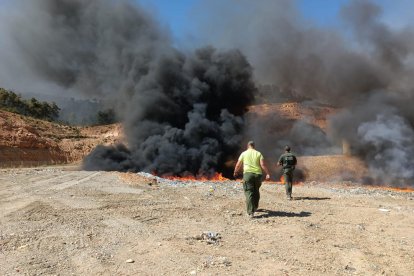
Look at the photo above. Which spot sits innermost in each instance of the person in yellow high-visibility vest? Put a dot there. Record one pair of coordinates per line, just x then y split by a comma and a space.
253, 167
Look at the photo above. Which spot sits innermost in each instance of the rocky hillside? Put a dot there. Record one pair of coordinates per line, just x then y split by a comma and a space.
315, 114
25, 141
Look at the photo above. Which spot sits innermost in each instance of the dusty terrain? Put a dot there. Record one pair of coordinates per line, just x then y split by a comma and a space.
63, 221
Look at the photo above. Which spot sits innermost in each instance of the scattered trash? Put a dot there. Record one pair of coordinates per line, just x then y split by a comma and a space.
208, 236
130, 261
383, 210
211, 237
361, 227
231, 187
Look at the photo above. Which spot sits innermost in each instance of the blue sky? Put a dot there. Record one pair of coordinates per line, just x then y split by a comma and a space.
175, 14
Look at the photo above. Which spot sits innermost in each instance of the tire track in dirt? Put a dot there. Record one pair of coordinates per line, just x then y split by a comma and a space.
26, 191
71, 183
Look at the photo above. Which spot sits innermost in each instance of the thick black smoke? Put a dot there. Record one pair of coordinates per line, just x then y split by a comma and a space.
185, 117
182, 112
365, 71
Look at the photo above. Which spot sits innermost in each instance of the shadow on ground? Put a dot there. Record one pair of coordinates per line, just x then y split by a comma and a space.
270, 213
311, 198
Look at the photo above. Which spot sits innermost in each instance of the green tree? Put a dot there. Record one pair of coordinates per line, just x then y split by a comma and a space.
12, 102
106, 117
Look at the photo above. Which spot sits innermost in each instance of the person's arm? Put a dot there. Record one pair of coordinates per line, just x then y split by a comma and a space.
263, 165
237, 168
280, 162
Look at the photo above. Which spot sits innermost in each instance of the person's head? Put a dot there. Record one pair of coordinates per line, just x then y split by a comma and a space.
250, 145
287, 149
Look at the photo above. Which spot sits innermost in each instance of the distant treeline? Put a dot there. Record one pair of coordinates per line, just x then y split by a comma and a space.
13, 102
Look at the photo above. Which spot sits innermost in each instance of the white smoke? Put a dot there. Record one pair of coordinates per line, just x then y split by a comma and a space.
390, 137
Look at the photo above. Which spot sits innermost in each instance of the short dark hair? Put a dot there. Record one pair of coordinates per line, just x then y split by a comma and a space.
287, 148
251, 143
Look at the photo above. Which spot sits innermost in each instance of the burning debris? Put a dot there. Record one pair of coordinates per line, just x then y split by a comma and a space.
186, 181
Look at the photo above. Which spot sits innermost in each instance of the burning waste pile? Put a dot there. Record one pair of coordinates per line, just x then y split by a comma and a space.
183, 111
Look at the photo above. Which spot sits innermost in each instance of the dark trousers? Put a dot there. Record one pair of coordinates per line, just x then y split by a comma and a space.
251, 186
288, 177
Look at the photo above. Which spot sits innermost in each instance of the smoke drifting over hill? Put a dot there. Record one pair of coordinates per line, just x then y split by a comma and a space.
183, 111
366, 72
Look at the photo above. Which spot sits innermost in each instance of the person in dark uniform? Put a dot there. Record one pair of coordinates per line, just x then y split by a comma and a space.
288, 162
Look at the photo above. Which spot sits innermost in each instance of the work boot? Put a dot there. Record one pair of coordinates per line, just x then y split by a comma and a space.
289, 197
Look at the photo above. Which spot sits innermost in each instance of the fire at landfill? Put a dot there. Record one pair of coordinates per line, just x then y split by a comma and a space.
184, 111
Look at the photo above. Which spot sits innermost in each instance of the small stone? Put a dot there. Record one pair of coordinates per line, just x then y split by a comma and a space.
130, 261
361, 227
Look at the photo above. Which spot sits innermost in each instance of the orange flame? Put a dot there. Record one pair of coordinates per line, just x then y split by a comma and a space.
281, 181
215, 178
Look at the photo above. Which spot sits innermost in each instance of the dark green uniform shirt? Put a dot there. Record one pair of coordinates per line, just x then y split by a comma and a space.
288, 161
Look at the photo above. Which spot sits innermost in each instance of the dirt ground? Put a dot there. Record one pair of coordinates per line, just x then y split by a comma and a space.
63, 221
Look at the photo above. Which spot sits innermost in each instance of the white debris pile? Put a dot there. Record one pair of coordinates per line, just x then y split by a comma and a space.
230, 184
159, 180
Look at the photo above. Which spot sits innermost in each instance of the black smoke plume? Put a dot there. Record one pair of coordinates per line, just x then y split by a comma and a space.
185, 117
365, 71
182, 111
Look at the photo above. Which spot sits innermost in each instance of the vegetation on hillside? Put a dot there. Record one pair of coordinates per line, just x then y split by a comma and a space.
73, 112
13, 102
106, 117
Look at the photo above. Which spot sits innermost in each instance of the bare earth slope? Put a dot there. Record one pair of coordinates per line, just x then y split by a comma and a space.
25, 141
60, 221
315, 114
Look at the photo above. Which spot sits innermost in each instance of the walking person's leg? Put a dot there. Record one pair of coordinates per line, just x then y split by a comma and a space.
249, 192
257, 185
288, 184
